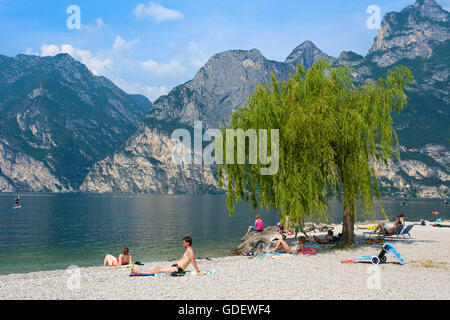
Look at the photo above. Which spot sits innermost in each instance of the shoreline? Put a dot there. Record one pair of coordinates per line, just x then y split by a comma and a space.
215, 257
322, 276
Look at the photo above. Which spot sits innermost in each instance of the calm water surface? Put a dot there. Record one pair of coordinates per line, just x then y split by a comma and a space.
54, 231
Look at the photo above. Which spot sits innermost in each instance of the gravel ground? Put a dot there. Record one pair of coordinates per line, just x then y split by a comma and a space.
426, 275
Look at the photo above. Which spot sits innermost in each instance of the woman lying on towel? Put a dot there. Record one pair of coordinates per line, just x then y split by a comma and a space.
282, 246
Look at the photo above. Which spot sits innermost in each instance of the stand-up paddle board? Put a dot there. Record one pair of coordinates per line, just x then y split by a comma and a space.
381, 258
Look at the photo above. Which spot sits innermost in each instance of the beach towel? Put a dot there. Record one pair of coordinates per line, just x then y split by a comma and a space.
441, 225
367, 228
174, 274
284, 253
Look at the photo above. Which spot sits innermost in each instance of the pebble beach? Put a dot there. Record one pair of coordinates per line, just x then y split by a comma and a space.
426, 275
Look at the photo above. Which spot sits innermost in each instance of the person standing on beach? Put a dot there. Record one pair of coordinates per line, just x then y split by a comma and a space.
178, 267
123, 259
258, 225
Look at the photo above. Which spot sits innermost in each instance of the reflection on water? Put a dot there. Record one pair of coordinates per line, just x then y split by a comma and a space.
54, 231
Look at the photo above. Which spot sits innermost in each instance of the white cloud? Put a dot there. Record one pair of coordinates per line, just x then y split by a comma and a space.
173, 67
154, 93
49, 50
151, 92
149, 78
95, 64
157, 12
98, 25
30, 51
120, 43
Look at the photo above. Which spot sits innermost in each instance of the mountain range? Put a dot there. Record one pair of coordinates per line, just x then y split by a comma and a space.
64, 129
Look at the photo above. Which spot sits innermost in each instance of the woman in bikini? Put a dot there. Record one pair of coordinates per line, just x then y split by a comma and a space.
123, 259
283, 246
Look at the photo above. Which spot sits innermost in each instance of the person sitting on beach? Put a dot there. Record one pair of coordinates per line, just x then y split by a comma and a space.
327, 239
385, 230
123, 259
283, 246
258, 225
178, 267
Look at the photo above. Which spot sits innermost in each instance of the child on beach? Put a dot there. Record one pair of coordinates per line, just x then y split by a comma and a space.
123, 259
258, 225
178, 267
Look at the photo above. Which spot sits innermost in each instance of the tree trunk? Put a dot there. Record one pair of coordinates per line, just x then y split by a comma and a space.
348, 234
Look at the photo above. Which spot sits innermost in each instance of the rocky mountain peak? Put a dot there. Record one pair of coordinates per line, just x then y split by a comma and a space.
57, 112
305, 54
430, 8
410, 33
219, 87
349, 58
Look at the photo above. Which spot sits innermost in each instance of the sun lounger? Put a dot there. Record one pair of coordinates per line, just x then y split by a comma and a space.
401, 232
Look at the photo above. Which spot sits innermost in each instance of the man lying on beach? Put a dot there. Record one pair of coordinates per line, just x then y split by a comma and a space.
178, 267
282, 246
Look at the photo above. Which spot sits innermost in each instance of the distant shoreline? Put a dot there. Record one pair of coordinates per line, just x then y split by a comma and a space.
178, 195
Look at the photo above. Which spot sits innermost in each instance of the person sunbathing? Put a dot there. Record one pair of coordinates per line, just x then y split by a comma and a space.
327, 239
178, 267
385, 230
123, 259
282, 246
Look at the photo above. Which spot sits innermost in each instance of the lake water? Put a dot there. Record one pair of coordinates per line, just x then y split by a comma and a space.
55, 231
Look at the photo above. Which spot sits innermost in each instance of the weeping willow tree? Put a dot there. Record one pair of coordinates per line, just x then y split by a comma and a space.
331, 132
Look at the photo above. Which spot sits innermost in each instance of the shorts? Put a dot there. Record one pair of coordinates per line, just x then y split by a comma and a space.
254, 229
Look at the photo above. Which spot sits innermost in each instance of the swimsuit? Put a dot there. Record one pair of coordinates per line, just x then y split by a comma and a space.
178, 267
115, 265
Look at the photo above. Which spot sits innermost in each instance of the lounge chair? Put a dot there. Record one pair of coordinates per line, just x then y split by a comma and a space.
400, 232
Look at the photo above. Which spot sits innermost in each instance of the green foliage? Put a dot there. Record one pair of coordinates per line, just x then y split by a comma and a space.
329, 130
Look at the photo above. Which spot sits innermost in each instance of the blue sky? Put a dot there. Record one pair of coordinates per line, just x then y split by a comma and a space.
149, 47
